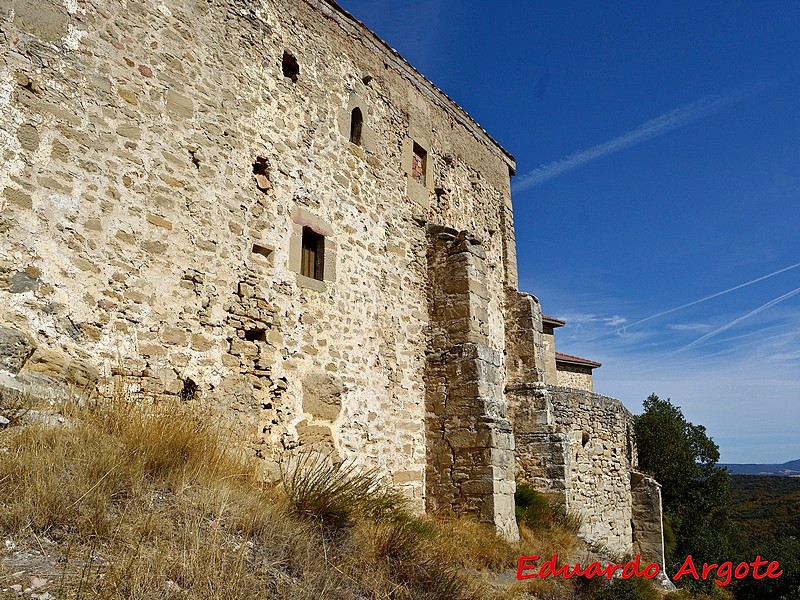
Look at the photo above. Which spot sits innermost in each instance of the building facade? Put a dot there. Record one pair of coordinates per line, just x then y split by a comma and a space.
260, 207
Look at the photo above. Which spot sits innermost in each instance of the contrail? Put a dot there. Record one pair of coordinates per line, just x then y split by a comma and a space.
762, 339
727, 326
687, 305
662, 124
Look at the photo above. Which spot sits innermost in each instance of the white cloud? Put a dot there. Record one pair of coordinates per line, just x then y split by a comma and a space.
689, 326
698, 301
748, 395
786, 356
615, 321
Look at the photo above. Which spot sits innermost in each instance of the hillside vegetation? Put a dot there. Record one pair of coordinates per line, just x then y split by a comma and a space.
131, 501
765, 506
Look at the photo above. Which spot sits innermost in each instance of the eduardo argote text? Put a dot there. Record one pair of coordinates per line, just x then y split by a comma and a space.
723, 573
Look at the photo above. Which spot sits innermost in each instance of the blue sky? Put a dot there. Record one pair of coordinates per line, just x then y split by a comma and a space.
658, 155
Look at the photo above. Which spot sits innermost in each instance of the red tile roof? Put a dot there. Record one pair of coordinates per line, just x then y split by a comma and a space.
576, 360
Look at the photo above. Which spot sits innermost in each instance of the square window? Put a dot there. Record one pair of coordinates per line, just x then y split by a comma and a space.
312, 261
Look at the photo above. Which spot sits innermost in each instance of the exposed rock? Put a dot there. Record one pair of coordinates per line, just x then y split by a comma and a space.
15, 349
61, 367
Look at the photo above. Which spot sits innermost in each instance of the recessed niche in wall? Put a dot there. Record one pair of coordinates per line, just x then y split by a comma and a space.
255, 335
419, 164
356, 124
291, 68
189, 390
264, 251
261, 174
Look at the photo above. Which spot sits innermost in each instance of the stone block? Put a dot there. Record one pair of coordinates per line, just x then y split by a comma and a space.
322, 396
15, 348
44, 19
60, 366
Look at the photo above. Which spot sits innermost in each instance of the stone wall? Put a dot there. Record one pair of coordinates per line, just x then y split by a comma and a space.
525, 351
574, 376
600, 460
549, 341
580, 445
601, 457
648, 533
160, 163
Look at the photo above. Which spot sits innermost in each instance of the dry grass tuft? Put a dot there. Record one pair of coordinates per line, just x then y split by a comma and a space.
147, 501
337, 493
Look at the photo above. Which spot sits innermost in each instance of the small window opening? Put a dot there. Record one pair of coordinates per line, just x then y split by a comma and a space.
584, 438
291, 68
189, 390
261, 174
312, 261
418, 164
255, 335
356, 124
262, 250
195, 154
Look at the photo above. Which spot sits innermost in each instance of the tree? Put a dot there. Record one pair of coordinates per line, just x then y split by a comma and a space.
695, 492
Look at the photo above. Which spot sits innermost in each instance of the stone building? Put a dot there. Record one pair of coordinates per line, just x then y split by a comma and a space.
259, 206
564, 369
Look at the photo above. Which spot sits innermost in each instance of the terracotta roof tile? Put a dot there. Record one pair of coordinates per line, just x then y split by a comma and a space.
568, 358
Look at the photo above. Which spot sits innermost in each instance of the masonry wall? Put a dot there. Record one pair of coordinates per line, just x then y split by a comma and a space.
549, 340
648, 533
573, 376
137, 242
525, 353
599, 462
160, 164
581, 447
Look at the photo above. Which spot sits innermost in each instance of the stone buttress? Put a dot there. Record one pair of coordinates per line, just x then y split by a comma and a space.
470, 443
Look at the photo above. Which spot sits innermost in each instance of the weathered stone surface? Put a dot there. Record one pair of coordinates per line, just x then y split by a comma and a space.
28, 137
44, 19
470, 443
15, 349
315, 437
61, 367
322, 397
582, 446
22, 282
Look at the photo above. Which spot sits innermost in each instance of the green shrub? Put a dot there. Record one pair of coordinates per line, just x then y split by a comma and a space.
542, 511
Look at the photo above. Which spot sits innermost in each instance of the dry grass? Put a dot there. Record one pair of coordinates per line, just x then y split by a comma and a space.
144, 501
335, 493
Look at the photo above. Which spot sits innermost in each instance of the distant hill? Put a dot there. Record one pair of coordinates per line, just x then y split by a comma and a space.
787, 469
